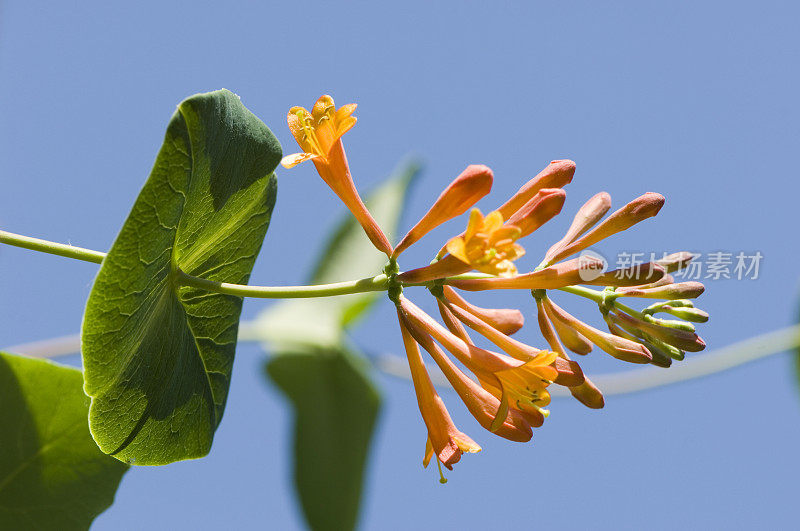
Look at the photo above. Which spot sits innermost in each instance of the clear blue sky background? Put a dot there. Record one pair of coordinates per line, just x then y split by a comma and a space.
696, 100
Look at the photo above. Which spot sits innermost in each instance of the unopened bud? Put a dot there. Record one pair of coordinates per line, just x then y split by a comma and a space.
641, 208
589, 214
618, 347
545, 205
588, 395
556, 175
695, 315
670, 323
507, 320
569, 372
681, 339
681, 290
675, 261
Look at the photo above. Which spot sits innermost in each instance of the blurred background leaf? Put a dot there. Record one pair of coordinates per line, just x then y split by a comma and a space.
336, 406
335, 402
52, 474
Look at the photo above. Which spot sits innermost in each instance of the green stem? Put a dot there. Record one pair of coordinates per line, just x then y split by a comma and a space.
377, 283
597, 296
591, 294
44, 246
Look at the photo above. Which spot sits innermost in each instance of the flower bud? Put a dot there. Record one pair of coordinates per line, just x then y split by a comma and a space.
681, 290
465, 190
571, 338
618, 347
506, 320
569, 372
556, 175
542, 208
588, 394
681, 339
639, 209
446, 267
660, 358
675, 261
453, 324
588, 215
695, 315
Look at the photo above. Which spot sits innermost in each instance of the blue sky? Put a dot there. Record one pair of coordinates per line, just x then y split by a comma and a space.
695, 100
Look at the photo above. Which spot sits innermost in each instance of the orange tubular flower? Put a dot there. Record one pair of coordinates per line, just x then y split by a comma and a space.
319, 134
521, 384
445, 440
506, 391
483, 405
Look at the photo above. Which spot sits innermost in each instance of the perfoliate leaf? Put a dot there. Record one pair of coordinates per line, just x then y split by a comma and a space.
336, 406
52, 475
348, 255
158, 356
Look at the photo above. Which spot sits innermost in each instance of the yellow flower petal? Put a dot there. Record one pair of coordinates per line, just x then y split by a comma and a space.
457, 248
492, 222
474, 225
290, 161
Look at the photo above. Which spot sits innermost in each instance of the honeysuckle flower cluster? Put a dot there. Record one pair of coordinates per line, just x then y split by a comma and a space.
506, 390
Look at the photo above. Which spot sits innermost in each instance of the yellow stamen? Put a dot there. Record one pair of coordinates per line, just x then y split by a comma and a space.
488, 245
442, 479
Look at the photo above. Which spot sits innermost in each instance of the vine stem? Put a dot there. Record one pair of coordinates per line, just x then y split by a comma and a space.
363, 285
624, 382
618, 383
44, 246
597, 296
377, 283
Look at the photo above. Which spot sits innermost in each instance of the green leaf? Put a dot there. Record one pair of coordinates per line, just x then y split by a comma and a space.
348, 255
157, 355
52, 475
336, 407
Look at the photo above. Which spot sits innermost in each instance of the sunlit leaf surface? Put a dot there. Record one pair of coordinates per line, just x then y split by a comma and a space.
158, 356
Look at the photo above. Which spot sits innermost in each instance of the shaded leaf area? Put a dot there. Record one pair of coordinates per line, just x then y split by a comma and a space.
335, 406
52, 474
158, 356
347, 256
